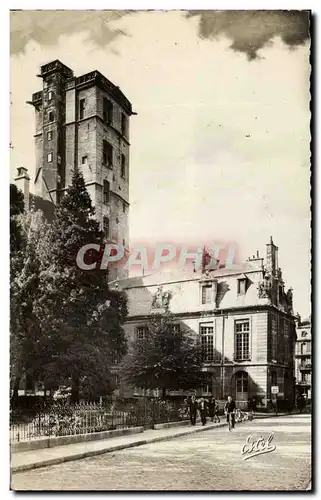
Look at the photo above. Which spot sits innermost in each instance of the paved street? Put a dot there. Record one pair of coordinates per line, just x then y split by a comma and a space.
208, 460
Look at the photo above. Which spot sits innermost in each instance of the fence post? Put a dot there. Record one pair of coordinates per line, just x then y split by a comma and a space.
39, 423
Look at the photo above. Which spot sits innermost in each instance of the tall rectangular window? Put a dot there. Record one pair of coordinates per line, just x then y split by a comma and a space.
50, 95
123, 166
107, 154
207, 294
274, 338
242, 340
207, 342
141, 332
207, 386
124, 125
108, 111
106, 191
82, 106
49, 135
106, 226
49, 157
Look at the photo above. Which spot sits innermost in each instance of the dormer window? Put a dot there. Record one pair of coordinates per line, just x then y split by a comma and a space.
206, 294
207, 291
242, 285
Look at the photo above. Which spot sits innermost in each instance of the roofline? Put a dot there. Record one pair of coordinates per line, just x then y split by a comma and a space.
198, 278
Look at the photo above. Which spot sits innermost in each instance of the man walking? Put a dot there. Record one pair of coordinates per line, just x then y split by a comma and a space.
202, 409
193, 410
211, 408
230, 413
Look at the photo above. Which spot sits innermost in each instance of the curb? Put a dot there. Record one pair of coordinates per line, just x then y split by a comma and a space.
109, 449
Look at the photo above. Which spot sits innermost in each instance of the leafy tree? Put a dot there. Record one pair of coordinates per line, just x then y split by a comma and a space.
16, 209
165, 359
82, 318
24, 279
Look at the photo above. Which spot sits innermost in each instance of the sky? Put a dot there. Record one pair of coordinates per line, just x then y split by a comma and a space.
220, 146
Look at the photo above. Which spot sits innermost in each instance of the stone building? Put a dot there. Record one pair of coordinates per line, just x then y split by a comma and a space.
83, 122
303, 356
242, 315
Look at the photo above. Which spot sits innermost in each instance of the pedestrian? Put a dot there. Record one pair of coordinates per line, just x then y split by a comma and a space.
203, 410
301, 402
193, 406
230, 408
211, 408
216, 411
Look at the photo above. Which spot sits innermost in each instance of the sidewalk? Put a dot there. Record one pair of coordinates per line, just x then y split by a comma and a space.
27, 460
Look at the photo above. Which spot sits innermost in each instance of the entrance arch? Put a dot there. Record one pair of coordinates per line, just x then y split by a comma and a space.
241, 386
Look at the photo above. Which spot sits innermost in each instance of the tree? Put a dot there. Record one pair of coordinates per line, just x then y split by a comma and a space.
165, 359
82, 318
16, 209
29, 230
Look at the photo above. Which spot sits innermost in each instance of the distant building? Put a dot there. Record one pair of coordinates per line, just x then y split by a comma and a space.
303, 356
243, 316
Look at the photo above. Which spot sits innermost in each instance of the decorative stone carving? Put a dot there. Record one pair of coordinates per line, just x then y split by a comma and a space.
279, 273
289, 298
161, 299
264, 288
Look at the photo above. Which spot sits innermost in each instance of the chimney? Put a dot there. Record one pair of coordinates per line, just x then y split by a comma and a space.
271, 257
22, 181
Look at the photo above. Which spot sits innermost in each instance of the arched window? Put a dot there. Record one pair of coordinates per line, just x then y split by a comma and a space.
242, 382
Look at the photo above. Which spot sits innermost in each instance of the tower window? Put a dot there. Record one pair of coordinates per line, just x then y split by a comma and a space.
82, 105
124, 207
108, 111
50, 95
49, 157
124, 125
107, 154
49, 135
106, 191
106, 226
123, 165
84, 160
51, 116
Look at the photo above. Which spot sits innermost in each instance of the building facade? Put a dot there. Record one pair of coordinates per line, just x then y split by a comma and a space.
243, 317
303, 356
83, 122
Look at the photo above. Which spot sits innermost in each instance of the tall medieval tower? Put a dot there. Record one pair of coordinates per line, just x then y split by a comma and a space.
83, 122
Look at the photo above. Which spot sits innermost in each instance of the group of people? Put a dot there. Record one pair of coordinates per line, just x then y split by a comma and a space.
209, 407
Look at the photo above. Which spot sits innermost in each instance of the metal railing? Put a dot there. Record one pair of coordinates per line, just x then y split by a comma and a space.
68, 420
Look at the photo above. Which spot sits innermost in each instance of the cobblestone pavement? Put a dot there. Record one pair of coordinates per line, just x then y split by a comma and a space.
208, 460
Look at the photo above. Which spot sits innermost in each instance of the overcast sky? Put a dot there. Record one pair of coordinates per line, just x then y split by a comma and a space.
220, 146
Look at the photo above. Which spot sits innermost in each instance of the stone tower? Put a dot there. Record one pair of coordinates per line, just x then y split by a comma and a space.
83, 122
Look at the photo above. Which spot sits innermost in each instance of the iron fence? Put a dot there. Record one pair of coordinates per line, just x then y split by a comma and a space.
68, 420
